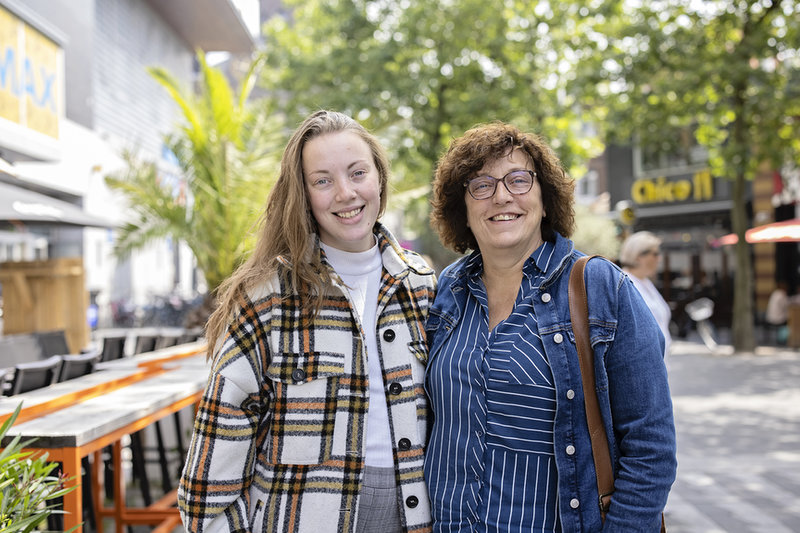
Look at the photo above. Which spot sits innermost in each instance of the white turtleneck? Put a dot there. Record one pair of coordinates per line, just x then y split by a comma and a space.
361, 273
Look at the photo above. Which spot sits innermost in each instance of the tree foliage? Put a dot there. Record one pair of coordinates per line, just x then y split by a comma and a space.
724, 70
226, 152
419, 73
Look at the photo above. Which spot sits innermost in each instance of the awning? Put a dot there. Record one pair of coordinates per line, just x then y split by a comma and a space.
784, 231
29, 207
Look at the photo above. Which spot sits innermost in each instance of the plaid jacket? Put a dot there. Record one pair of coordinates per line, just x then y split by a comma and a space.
278, 442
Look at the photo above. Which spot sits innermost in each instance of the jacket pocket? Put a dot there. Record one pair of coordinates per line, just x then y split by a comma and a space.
302, 420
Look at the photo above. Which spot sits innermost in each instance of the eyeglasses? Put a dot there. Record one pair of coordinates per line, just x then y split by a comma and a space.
516, 182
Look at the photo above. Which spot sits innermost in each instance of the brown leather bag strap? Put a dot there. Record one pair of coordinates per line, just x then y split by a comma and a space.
579, 315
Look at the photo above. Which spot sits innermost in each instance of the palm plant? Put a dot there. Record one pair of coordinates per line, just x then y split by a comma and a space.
226, 151
29, 489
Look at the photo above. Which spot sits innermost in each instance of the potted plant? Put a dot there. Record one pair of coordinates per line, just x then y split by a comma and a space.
29, 488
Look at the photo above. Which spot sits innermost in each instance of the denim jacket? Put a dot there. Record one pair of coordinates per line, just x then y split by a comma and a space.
632, 390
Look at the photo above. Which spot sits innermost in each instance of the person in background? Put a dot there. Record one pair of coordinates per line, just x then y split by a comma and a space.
510, 449
639, 256
314, 418
777, 313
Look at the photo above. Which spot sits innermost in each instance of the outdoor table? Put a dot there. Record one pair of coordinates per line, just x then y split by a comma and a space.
75, 418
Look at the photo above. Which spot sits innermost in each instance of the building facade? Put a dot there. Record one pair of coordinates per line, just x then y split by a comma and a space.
75, 93
675, 196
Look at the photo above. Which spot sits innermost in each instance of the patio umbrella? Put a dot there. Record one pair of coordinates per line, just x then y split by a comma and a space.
30, 207
784, 231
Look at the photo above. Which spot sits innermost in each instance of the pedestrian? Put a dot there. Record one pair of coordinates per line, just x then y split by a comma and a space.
315, 417
510, 447
777, 312
639, 256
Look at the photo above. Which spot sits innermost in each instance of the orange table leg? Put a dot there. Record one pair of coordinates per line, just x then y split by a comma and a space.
97, 488
73, 501
119, 488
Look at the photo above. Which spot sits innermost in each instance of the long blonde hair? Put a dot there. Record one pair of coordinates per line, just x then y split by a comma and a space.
287, 225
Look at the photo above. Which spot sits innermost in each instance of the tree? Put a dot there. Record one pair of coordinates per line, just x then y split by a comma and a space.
726, 70
227, 154
419, 73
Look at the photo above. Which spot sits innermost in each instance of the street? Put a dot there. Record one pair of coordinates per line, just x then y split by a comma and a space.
738, 427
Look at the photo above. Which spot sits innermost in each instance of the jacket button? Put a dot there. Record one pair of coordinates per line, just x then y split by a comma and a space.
570, 450
412, 501
570, 394
574, 503
298, 374
558, 338
404, 444
546, 297
251, 405
388, 335
395, 388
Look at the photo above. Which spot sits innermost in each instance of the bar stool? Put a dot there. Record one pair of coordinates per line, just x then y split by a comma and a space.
52, 342
77, 365
113, 348
34, 375
74, 366
148, 343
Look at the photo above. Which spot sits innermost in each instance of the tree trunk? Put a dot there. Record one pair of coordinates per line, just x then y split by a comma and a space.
742, 327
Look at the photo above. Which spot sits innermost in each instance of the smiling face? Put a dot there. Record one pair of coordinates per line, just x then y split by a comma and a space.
343, 186
507, 224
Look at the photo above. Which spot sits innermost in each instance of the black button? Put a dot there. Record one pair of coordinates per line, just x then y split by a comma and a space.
388, 335
251, 405
412, 501
404, 444
298, 374
395, 388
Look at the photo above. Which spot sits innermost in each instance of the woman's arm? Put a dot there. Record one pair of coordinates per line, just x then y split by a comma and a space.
641, 410
212, 494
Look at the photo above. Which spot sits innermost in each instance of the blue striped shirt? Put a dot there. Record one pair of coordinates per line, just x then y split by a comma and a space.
490, 464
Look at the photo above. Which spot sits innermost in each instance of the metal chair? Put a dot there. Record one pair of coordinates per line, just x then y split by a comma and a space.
35, 375
166, 341
75, 366
190, 336
113, 348
5, 383
145, 343
52, 342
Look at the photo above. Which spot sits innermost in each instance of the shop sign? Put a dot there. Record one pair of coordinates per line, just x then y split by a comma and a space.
29, 66
697, 188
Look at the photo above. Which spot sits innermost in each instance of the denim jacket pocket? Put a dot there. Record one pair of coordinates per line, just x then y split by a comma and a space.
305, 387
601, 338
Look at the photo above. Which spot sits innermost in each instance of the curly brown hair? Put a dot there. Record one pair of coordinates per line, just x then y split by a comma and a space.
469, 153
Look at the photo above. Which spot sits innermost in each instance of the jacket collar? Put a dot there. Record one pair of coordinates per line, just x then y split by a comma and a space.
456, 275
397, 261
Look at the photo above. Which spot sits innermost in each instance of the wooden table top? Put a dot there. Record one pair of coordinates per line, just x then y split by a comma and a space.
143, 393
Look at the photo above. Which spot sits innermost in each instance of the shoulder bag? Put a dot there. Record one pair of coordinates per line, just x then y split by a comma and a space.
579, 315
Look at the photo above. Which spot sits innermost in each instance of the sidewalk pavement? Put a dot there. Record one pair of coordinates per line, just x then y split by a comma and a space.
738, 427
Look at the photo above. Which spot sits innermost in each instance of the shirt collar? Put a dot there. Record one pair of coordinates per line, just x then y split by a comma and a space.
539, 263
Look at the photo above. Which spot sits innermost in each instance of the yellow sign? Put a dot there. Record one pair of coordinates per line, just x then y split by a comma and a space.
29, 76
699, 188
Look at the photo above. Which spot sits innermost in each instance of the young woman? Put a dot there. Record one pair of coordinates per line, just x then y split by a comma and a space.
314, 417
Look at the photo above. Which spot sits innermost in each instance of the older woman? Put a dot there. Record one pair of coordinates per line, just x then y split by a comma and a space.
639, 257
510, 447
